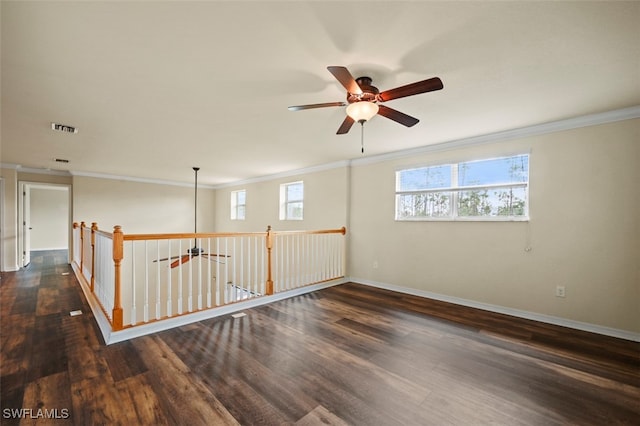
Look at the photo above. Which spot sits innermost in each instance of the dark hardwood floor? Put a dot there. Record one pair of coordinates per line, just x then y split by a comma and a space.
349, 354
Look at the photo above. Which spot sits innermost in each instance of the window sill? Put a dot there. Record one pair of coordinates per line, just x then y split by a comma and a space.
466, 219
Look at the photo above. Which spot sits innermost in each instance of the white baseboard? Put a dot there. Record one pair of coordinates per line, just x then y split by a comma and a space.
103, 322
154, 327
564, 322
166, 324
14, 268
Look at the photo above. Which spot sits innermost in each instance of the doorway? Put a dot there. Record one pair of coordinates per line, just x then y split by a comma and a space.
44, 218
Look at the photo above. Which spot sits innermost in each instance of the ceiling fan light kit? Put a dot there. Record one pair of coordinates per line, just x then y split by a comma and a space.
362, 111
364, 100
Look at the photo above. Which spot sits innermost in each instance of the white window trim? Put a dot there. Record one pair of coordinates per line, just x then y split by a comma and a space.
284, 201
455, 190
235, 205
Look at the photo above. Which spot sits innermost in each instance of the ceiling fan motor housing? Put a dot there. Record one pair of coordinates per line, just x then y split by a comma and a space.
369, 92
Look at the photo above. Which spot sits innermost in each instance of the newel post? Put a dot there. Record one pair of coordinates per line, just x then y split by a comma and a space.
118, 254
82, 225
269, 240
75, 254
94, 228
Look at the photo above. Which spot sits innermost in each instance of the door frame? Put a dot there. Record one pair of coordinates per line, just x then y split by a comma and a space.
2, 230
23, 244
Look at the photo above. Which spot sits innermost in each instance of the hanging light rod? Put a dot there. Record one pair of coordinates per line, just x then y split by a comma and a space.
195, 250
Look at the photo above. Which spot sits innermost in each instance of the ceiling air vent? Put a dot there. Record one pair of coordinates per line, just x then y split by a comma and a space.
63, 128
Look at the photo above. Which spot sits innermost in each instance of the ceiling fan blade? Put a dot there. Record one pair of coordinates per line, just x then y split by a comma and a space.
312, 106
165, 258
397, 116
411, 89
212, 256
183, 259
346, 79
345, 126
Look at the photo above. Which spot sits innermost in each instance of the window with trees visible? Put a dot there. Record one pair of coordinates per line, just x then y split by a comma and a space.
492, 189
292, 201
238, 204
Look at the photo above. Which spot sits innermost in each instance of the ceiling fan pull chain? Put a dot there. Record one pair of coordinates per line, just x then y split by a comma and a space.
362, 136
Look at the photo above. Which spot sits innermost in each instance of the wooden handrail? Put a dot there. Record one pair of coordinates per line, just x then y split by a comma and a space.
104, 233
342, 231
118, 238
191, 235
141, 237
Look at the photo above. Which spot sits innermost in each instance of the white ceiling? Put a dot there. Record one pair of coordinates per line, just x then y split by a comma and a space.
158, 87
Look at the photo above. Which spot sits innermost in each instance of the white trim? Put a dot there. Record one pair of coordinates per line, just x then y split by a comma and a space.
10, 166
155, 327
508, 135
98, 314
234, 204
20, 169
284, 200
2, 230
68, 188
538, 129
564, 322
139, 180
297, 172
12, 269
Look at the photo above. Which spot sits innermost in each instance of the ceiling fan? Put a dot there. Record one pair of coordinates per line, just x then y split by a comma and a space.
364, 100
194, 251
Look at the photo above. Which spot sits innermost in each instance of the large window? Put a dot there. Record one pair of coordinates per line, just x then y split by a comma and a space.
238, 204
291, 201
493, 189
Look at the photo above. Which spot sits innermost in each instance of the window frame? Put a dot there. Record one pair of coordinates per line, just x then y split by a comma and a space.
285, 202
235, 205
455, 190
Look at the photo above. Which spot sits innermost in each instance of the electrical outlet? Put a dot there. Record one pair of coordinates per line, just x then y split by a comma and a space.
560, 291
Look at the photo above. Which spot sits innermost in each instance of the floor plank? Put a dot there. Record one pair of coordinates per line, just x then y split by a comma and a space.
349, 354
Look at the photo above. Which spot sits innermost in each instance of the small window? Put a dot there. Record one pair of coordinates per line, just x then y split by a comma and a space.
291, 201
493, 189
238, 204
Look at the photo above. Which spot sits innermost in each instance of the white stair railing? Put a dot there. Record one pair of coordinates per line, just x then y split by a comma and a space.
142, 278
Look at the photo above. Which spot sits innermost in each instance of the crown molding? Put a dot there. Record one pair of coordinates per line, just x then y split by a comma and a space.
507, 135
523, 132
20, 169
139, 180
297, 172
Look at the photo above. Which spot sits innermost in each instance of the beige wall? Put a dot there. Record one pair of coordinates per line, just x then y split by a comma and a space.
325, 203
49, 218
583, 233
141, 208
